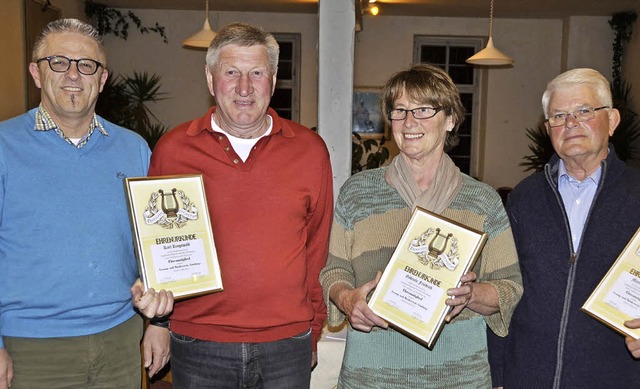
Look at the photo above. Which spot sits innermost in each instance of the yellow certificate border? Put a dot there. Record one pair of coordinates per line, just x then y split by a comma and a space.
152, 231
468, 246
627, 262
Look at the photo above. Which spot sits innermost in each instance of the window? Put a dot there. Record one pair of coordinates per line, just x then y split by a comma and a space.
286, 97
450, 54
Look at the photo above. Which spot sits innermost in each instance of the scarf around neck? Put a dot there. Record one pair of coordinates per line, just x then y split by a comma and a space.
438, 196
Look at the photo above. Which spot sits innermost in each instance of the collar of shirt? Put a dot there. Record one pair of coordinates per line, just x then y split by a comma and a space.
242, 146
563, 175
44, 122
279, 126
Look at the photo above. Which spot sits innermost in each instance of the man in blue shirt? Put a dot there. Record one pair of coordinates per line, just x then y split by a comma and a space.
66, 312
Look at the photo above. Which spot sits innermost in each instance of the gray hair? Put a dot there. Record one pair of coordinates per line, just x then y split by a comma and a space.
580, 76
68, 25
241, 34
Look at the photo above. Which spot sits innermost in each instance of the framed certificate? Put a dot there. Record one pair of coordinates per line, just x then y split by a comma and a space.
616, 299
172, 234
433, 254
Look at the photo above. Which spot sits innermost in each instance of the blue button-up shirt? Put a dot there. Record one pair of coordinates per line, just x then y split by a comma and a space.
577, 197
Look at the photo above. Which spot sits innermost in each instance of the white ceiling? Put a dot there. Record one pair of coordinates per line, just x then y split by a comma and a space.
451, 8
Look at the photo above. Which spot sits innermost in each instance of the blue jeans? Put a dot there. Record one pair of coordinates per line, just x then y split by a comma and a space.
282, 364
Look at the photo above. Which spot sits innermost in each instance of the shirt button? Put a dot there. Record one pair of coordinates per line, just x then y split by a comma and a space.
220, 137
236, 160
226, 148
578, 201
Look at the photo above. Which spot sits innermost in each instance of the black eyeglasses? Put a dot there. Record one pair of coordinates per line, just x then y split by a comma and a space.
418, 113
61, 64
581, 115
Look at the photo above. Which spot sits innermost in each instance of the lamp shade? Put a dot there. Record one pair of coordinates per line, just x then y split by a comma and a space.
490, 56
202, 38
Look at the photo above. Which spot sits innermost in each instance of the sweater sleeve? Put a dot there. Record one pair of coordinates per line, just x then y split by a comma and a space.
501, 269
338, 268
506, 279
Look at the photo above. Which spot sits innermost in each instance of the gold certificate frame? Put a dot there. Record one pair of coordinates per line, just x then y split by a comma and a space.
616, 299
172, 234
433, 254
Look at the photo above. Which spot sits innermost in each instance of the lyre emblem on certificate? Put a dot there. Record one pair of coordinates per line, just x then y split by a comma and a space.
433, 252
172, 212
172, 208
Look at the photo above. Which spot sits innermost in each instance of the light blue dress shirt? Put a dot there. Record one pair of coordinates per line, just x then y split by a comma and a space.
577, 197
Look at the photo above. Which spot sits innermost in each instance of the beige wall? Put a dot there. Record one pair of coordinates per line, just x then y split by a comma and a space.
13, 67
70, 8
596, 51
541, 48
12, 83
182, 69
512, 100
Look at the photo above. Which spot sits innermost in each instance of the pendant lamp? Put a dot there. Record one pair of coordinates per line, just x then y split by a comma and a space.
490, 56
202, 38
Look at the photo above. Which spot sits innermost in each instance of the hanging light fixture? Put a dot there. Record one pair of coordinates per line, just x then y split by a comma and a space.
202, 38
490, 56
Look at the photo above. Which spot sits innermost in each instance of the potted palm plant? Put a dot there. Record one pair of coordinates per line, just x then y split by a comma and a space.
124, 101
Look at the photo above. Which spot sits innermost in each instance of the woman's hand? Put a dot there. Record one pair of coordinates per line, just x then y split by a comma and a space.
354, 304
480, 297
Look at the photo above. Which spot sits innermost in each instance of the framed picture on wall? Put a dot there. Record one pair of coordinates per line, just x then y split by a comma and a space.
367, 118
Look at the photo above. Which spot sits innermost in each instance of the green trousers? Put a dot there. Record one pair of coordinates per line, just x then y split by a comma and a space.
110, 359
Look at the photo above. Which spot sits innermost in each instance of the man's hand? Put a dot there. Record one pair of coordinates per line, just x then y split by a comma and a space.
151, 303
156, 348
354, 305
6, 369
633, 345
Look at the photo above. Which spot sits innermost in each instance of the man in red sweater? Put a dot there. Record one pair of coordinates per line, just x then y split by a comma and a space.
269, 192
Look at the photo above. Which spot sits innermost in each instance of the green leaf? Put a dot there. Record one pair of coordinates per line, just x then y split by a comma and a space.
124, 100
375, 153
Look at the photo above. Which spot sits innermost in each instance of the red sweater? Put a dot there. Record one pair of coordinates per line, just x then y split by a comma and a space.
271, 218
